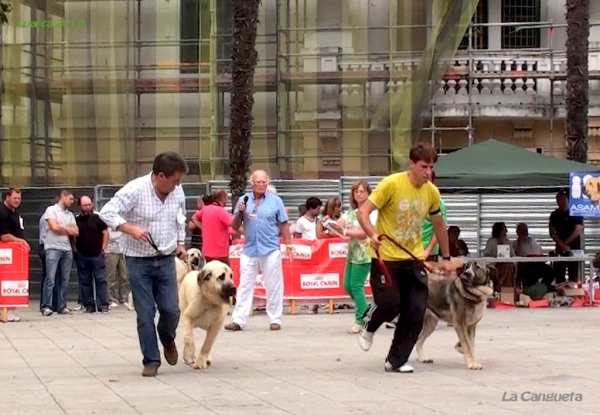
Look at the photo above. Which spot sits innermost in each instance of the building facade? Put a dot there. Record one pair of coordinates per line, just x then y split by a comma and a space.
94, 89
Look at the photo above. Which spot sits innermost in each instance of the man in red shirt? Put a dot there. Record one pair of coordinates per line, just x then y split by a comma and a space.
216, 224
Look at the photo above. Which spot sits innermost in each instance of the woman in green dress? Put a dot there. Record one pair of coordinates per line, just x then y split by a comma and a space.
358, 262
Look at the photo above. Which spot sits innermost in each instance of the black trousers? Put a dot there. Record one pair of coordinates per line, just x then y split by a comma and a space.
406, 298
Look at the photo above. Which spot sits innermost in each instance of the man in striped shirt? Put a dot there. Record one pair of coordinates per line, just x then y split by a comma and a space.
150, 212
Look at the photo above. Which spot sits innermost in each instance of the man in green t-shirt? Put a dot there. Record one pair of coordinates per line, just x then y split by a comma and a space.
430, 244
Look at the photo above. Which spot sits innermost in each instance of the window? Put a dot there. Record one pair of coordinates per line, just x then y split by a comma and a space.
480, 33
520, 11
195, 35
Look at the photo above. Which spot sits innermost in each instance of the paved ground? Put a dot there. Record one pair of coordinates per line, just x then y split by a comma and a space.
83, 364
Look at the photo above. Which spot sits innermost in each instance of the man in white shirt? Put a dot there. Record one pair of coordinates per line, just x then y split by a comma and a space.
150, 212
306, 225
58, 253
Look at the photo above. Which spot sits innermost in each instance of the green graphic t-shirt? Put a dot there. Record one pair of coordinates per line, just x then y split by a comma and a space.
428, 230
357, 249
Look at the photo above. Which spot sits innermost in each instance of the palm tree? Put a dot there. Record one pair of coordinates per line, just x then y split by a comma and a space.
578, 32
244, 58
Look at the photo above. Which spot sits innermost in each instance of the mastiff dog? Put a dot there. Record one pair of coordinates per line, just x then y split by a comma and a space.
205, 297
460, 300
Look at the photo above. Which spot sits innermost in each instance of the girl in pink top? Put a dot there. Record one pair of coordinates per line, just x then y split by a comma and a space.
216, 227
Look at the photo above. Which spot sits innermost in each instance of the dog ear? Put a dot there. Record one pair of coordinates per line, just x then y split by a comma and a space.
203, 275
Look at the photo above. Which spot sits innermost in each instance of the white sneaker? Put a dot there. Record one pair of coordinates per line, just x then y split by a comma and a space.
365, 339
113, 304
13, 316
355, 329
78, 307
405, 368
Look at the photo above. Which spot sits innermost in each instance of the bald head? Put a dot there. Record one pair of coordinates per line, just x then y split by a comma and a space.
86, 205
260, 181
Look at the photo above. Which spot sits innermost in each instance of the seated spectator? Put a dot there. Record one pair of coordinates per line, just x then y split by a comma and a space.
505, 274
531, 273
332, 211
458, 247
301, 212
306, 225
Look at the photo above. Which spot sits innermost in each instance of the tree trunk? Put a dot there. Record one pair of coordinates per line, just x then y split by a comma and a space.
244, 58
578, 32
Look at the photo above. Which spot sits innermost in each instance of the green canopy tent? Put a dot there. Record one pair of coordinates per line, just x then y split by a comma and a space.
492, 164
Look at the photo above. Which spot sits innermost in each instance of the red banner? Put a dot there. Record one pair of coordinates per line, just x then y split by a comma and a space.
14, 275
317, 269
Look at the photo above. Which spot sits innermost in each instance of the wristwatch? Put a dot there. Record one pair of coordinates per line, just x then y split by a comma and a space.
446, 258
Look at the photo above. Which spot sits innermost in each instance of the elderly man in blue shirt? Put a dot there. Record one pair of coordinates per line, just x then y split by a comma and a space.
264, 218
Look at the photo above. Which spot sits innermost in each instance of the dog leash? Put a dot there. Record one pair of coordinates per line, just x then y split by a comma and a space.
152, 243
383, 267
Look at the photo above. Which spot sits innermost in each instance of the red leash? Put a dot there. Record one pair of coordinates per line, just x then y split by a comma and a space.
384, 269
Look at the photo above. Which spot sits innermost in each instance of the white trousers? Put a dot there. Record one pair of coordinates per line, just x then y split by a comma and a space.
272, 272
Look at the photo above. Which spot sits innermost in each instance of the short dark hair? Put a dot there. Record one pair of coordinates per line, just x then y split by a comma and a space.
422, 151
66, 192
10, 192
497, 229
168, 163
313, 203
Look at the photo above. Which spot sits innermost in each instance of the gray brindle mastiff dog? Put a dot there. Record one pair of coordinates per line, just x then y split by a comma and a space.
460, 300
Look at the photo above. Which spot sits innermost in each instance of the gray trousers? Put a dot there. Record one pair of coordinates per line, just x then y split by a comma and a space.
118, 282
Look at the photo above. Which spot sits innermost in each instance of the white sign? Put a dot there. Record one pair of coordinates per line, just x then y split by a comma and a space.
339, 250
503, 251
6, 256
14, 288
235, 251
317, 281
298, 252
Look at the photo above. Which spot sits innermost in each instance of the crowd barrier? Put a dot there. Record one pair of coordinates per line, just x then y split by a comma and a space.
14, 277
315, 273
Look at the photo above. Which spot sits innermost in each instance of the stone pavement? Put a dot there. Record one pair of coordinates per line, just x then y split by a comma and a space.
90, 364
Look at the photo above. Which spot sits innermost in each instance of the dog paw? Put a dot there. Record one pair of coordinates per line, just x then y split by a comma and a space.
201, 362
188, 355
475, 366
458, 348
424, 360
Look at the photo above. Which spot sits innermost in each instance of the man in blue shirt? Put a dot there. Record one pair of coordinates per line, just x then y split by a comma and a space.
264, 218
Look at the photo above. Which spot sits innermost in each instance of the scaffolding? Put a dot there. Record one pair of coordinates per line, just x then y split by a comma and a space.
319, 95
